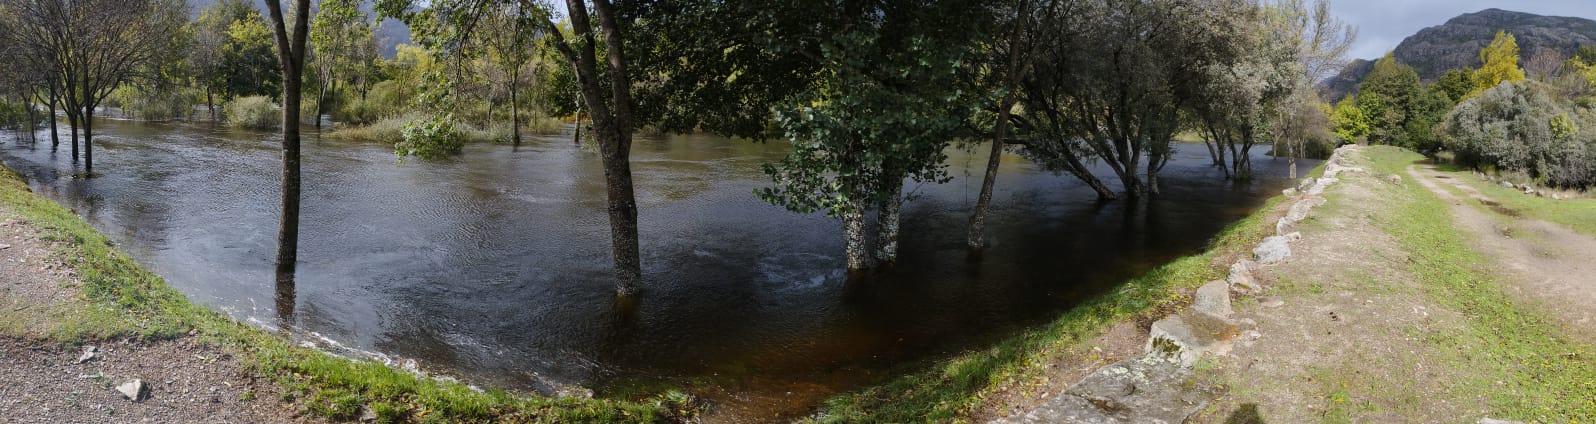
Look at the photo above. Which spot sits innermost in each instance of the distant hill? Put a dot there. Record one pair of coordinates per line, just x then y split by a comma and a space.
390, 33
1457, 43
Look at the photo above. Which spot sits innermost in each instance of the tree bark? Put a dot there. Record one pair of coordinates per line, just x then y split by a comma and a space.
976, 238
855, 245
72, 119
515, 109
88, 142
888, 215
291, 58
55, 136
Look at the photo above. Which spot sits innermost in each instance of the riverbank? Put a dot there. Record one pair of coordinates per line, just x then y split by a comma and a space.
66, 289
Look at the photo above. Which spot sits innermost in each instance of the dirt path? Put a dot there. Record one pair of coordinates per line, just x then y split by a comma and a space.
1342, 329
1545, 262
44, 381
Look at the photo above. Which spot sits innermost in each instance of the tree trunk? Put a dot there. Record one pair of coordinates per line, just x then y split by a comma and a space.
855, 244
888, 217
515, 110
210, 103
88, 141
55, 136
291, 59
72, 119
321, 104
576, 134
976, 237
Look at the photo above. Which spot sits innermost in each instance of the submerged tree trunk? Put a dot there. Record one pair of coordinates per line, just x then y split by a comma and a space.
72, 120
515, 109
576, 133
210, 103
616, 147
855, 245
888, 218
55, 136
976, 237
290, 43
88, 141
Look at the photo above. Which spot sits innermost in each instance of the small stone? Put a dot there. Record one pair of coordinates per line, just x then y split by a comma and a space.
1392, 178
1290, 192
1496, 421
88, 354
1294, 236
1271, 302
367, 415
4, 246
1508, 184
1241, 279
133, 390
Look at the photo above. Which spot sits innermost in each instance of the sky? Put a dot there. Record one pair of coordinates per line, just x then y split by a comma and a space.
1384, 23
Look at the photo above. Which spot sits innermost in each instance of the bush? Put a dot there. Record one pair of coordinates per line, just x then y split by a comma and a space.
1521, 127
431, 138
14, 115
387, 130
255, 112
154, 104
385, 100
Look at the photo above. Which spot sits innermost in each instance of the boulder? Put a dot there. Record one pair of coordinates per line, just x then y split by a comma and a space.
1241, 278
1213, 298
1320, 186
1273, 249
1187, 336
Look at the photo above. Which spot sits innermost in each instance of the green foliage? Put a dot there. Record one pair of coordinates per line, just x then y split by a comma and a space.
154, 103
1455, 83
1498, 64
13, 115
248, 65
430, 138
888, 104
1388, 96
254, 112
1523, 127
1351, 125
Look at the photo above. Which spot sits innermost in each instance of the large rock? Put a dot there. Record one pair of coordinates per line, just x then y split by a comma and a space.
1241, 278
1320, 185
1150, 389
1213, 298
1188, 336
1273, 249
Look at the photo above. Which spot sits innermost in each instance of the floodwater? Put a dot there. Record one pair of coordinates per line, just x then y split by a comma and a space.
493, 266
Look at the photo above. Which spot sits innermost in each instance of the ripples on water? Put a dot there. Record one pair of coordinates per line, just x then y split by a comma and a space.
494, 265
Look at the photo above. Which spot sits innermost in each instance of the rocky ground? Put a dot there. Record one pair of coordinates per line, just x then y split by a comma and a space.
1328, 321
43, 380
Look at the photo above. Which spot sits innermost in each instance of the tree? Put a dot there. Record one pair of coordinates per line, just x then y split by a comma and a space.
1455, 83
1350, 124
1387, 96
96, 46
340, 39
1498, 64
290, 42
249, 63
892, 94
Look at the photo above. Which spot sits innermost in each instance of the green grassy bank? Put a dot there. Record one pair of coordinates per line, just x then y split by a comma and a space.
1529, 372
950, 389
121, 300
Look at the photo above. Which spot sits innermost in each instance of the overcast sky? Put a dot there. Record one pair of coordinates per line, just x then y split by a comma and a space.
1384, 23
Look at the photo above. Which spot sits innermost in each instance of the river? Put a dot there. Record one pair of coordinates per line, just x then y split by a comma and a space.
493, 266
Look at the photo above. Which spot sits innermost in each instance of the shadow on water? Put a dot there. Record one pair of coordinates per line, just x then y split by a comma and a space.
493, 266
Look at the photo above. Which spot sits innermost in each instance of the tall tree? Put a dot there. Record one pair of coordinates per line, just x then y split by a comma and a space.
340, 37
894, 90
1009, 62
1498, 63
290, 41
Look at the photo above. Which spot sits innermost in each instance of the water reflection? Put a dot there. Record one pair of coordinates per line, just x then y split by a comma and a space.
494, 265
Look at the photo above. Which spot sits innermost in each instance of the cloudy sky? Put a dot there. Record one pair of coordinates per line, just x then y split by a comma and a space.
1384, 23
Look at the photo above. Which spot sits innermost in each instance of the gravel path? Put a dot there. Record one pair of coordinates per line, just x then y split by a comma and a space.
43, 381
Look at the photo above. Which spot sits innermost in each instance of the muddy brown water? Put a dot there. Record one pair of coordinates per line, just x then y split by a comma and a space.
493, 265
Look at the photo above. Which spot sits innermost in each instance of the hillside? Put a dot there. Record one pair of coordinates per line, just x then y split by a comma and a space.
1457, 43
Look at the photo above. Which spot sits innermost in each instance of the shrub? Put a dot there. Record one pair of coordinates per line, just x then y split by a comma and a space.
256, 112
13, 114
430, 138
154, 103
387, 130
1521, 127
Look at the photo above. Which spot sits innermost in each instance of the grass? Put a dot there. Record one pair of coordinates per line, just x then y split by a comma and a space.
952, 388
121, 300
1535, 374
1578, 214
